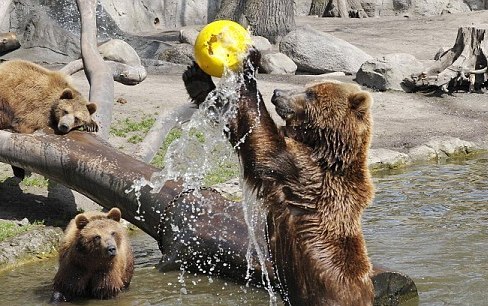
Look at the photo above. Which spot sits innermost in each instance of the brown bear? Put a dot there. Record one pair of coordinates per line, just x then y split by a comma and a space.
33, 97
95, 258
313, 177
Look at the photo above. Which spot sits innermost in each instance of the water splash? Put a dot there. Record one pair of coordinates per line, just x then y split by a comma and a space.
198, 151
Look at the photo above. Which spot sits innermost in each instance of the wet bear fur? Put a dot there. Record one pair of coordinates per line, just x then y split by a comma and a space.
313, 177
33, 97
95, 258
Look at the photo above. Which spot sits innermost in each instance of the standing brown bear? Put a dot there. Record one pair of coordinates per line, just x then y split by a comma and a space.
95, 258
313, 178
33, 97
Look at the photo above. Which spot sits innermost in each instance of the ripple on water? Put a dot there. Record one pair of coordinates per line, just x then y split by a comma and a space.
431, 222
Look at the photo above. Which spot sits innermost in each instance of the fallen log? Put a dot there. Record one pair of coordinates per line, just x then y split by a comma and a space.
202, 231
463, 67
8, 43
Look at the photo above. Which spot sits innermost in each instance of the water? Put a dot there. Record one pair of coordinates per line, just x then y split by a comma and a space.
429, 222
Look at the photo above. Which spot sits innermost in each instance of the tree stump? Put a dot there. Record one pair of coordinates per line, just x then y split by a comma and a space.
8, 43
463, 67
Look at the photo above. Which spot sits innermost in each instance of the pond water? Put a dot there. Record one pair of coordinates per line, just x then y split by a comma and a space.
429, 222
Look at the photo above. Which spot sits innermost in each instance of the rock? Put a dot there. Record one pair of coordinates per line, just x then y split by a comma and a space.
119, 51
38, 242
387, 159
188, 34
317, 52
442, 147
178, 54
261, 43
439, 7
388, 72
277, 63
42, 32
149, 15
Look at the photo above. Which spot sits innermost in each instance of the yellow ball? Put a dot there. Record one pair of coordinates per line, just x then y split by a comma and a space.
222, 43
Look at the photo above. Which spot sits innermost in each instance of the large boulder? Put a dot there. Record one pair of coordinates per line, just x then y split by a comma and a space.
387, 72
317, 52
277, 63
178, 54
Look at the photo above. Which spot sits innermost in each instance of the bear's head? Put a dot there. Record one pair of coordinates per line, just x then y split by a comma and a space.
72, 111
99, 235
332, 118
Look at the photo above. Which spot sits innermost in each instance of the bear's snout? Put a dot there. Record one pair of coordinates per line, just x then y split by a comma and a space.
63, 128
112, 250
281, 102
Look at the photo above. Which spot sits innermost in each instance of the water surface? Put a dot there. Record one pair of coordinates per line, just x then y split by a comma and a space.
429, 221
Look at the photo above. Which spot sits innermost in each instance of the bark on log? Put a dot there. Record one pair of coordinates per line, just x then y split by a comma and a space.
98, 73
463, 67
8, 43
203, 230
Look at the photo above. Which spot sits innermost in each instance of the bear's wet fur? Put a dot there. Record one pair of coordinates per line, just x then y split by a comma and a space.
313, 177
95, 258
33, 98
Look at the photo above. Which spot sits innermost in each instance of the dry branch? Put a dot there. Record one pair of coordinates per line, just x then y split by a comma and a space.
122, 73
8, 43
463, 67
98, 73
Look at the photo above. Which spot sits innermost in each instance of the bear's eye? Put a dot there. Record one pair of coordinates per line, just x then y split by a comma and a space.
65, 112
97, 238
113, 234
310, 94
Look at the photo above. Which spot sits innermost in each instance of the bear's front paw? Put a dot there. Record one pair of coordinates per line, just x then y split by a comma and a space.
90, 127
198, 83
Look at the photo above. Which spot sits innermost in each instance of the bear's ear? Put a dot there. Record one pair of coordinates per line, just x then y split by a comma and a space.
92, 107
67, 94
81, 221
114, 214
360, 102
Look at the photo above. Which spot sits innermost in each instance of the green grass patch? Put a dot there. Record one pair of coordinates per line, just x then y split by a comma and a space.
158, 160
35, 181
133, 130
10, 229
225, 171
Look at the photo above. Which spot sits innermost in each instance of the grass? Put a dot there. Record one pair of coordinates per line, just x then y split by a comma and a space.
35, 181
158, 160
134, 131
10, 229
225, 171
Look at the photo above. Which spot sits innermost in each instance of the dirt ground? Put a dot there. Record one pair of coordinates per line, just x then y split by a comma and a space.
401, 120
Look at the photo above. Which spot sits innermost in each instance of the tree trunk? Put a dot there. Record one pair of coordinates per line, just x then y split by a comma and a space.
337, 8
8, 43
463, 67
272, 19
318, 7
202, 231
